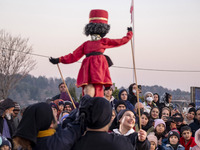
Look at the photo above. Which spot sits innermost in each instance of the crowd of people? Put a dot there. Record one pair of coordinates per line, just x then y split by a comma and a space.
123, 122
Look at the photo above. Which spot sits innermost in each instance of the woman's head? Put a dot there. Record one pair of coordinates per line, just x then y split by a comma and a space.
155, 113
148, 97
123, 94
166, 98
126, 119
156, 97
144, 118
159, 126
165, 113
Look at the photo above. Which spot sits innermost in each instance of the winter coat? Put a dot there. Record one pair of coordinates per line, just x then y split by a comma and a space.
194, 126
63, 139
191, 143
148, 129
94, 140
169, 147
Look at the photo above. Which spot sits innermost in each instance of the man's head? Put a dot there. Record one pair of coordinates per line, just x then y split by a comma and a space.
139, 104
61, 87
6, 108
16, 110
108, 91
186, 132
120, 105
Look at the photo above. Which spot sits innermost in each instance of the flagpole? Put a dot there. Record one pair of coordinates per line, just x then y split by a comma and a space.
133, 56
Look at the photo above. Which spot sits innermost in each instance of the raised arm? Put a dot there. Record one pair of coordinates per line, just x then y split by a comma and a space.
109, 43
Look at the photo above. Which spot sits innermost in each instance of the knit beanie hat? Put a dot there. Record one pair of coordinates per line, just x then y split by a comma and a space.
121, 113
152, 138
119, 102
171, 133
158, 121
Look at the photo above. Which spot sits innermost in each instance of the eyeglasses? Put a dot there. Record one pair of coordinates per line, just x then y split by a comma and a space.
124, 94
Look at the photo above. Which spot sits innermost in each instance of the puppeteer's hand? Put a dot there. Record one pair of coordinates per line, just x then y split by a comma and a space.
129, 29
142, 135
54, 60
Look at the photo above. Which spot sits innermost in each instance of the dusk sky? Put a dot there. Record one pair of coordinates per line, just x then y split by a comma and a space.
167, 37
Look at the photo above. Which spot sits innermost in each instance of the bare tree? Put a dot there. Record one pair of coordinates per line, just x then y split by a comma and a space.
15, 61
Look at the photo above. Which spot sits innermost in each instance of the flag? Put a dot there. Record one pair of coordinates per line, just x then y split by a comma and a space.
131, 11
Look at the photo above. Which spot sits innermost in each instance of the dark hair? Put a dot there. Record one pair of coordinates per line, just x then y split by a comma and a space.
154, 108
192, 104
97, 28
184, 128
146, 114
60, 84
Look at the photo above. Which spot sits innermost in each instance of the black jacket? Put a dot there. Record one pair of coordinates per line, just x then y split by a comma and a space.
93, 140
194, 126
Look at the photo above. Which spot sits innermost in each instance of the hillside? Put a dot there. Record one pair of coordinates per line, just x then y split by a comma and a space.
32, 89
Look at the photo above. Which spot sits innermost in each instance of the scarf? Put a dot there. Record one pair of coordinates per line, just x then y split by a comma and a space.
44, 133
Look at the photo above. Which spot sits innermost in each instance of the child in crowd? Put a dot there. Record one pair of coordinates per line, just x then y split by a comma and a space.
5, 143
153, 140
173, 139
159, 126
187, 140
189, 118
197, 140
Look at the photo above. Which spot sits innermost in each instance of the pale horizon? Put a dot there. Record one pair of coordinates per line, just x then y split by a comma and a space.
167, 37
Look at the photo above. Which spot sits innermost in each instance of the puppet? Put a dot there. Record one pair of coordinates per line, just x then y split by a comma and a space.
94, 72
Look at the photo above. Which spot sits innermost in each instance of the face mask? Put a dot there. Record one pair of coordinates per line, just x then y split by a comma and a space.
8, 116
150, 99
134, 91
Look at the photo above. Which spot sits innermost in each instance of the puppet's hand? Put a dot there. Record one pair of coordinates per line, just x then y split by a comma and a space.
54, 60
129, 29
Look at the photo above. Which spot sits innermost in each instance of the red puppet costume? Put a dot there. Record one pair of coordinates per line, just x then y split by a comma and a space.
94, 69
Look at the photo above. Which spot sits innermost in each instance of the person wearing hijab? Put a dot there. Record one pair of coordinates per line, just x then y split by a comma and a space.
36, 131
96, 116
123, 95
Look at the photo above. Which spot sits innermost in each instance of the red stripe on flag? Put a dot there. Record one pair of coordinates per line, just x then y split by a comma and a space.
131, 11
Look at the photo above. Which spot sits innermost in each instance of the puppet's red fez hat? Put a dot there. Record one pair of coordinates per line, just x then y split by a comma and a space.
98, 16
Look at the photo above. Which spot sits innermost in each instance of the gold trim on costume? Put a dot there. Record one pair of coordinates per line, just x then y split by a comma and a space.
98, 18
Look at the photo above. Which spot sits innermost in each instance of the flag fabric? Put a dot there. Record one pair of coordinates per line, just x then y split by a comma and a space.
132, 11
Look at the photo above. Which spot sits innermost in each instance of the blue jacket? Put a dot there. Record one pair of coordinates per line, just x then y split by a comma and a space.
169, 147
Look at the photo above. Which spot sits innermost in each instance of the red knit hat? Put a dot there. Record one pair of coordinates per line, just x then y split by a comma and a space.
98, 16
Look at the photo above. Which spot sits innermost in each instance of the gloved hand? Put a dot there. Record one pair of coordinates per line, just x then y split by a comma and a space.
129, 29
54, 60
